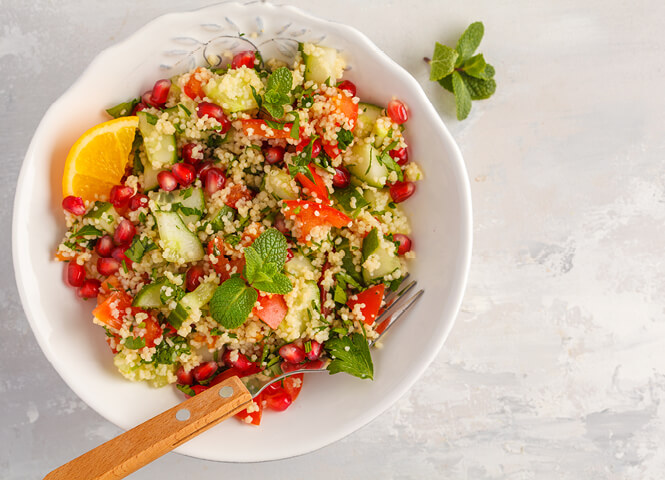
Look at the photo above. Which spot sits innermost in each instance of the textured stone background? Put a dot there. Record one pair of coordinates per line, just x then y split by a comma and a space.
555, 368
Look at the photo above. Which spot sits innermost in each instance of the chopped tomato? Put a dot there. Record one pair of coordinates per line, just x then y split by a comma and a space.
111, 284
293, 385
110, 311
194, 87
310, 214
228, 373
250, 234
331, 149
256, 126
224, 266
372, 298
273, 309
278, 401
236, 193
254, 417
344, 106
64, 257
117, 341
317, 188
152, 329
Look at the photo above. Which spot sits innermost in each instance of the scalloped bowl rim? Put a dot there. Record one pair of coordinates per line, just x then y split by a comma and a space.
322, 438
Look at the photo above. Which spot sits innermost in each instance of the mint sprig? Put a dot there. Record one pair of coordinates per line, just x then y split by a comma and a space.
234, 299
350, 354
469, 77
277, 92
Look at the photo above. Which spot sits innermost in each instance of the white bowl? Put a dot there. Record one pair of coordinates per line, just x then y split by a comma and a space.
329, 407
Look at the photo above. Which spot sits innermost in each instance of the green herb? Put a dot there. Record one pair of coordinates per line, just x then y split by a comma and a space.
469, 77
139, 247
134, 343
389, 162
216, 332
215, 140
344, 139
168, 354
277, 92
264, 262
152, 119
275, 125
394, 285
185, 109
233, 239
123, 109
186, 389
370, 243
232, 303
339, 294
87, 231
178, 316
124, 266
295, 128
300, 163
345, 196
348, 265
350, 354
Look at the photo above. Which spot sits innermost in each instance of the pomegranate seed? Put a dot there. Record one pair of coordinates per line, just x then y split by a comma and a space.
104, 246
246, 58
289, 254
119, 254
187, 153
120, 195
124, 232
274, 388
199, 389
342, 177
397, 112
292, 353
137, 201
214, 180
400, 191
400, 155
107, 266
280, 224
279, 402
160, 91
289, 367
167, 181
193, 277
273, 155
75, 274
312, 365
242, 363
139, 107
89, 289
315, 351
348, 86
202, 169
146, 98
73, 205
204, 371
184, 378
184, 173
216, 112
404, 243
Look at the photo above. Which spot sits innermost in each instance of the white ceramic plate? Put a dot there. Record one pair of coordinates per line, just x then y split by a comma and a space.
329, 407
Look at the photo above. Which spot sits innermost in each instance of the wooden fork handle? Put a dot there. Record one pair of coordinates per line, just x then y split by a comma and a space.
139, 446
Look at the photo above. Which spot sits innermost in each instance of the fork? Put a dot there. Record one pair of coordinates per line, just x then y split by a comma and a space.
148, 441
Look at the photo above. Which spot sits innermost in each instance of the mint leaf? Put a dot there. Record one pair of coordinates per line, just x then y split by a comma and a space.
462, 97
469, 41
264, 261
280, 81
278, 283
271, 245
275, 111
123, 109
479, 89
351, 355
134, 343
345, 196
443, 62
344, 139
277, 92
370, 243
475, 66
139, 247
232, 303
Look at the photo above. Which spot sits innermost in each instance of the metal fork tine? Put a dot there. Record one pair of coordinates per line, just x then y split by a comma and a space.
393, 295
389, 302
396, 312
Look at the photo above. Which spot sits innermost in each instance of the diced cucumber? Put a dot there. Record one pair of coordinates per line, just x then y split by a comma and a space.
190, 203
320, 63
380, 130
387, 263
280, 184
178, 243
233, 90
305, 301
380, 201
217, 219
367, 115
193, 300
150, 181
159, 148
299, 265
105, 214
150, 295
366, 166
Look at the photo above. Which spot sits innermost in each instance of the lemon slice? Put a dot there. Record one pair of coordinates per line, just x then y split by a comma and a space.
97, 161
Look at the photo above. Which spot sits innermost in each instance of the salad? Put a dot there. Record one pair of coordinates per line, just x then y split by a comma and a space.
254, 226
